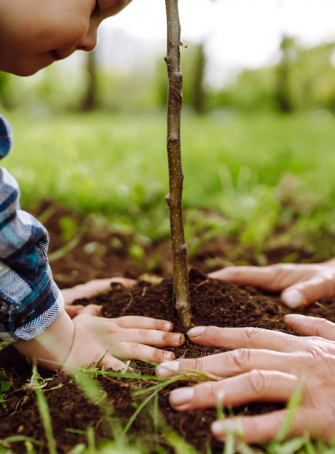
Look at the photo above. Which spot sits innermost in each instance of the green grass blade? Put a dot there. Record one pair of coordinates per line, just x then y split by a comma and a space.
46, 420
155, 413
132, 419
292, 408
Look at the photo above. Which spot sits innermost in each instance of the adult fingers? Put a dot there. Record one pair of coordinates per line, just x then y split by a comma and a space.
265, 428
151, 337
233, 338
92, 309
134, 321
273, 277
311, 326
309, 291
232, 363
133, 350
254, 386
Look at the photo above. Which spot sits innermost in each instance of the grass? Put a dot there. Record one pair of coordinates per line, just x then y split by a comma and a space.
259, 172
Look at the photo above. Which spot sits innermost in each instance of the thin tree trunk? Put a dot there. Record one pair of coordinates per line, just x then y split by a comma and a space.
199, 94
90, 100
176, 177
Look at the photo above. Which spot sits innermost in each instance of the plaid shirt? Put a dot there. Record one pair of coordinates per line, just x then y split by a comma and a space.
29, 298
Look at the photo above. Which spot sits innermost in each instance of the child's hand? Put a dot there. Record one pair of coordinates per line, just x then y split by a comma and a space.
301, 284
124, 338
89, 289
85, 339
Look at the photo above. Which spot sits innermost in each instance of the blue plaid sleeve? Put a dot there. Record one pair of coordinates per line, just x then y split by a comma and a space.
30, 301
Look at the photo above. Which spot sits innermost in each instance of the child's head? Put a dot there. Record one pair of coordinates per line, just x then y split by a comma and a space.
35, 33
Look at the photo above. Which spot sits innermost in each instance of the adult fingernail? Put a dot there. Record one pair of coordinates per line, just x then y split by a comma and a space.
293, 298
220, 428
194, 332
168, 326
292, 317
165, 369
181, 396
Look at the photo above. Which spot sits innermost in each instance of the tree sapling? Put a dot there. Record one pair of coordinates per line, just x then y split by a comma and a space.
174, 198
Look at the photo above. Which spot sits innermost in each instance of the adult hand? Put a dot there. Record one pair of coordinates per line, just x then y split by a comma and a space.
301, 284
265, 366
129, 337
89, 289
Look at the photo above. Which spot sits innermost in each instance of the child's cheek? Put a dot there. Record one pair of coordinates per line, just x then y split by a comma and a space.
71, 36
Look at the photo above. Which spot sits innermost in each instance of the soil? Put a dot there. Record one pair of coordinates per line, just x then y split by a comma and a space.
102, 253
213, 303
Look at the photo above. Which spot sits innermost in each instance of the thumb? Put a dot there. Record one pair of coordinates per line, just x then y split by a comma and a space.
308, 292
311, 326
92, 309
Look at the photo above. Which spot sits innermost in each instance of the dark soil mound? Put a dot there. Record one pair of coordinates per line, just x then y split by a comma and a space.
214, 303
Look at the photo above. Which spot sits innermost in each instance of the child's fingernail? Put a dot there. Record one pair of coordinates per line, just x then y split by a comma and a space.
168, 355
178, 339
181, 396
194, 332
168, 326
165, 369
220, 428
293, 298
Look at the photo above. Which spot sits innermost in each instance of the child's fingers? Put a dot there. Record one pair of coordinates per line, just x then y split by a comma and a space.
133, 350
311, 326
152, 337
123, 280
109, 362
73, 311
92, 309
134, 321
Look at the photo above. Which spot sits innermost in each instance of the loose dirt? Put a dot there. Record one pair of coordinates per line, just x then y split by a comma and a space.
213, 303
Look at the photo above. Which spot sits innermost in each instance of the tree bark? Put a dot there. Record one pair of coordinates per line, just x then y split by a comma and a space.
176, 177
90, 100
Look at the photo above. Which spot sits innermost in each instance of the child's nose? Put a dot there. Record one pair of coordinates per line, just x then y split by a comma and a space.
90, 40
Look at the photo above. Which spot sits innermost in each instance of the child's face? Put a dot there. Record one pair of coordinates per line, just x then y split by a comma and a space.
35, 33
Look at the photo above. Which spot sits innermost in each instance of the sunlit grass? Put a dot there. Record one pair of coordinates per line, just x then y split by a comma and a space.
258, 171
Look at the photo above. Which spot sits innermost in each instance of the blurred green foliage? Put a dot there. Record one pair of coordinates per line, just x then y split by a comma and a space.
254, 174
302, 79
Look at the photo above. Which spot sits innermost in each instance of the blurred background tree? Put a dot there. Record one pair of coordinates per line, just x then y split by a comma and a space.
302, 79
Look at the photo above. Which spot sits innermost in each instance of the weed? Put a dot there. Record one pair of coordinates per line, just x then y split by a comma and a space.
4, 386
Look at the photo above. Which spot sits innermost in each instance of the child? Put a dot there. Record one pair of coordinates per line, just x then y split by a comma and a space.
33, 34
